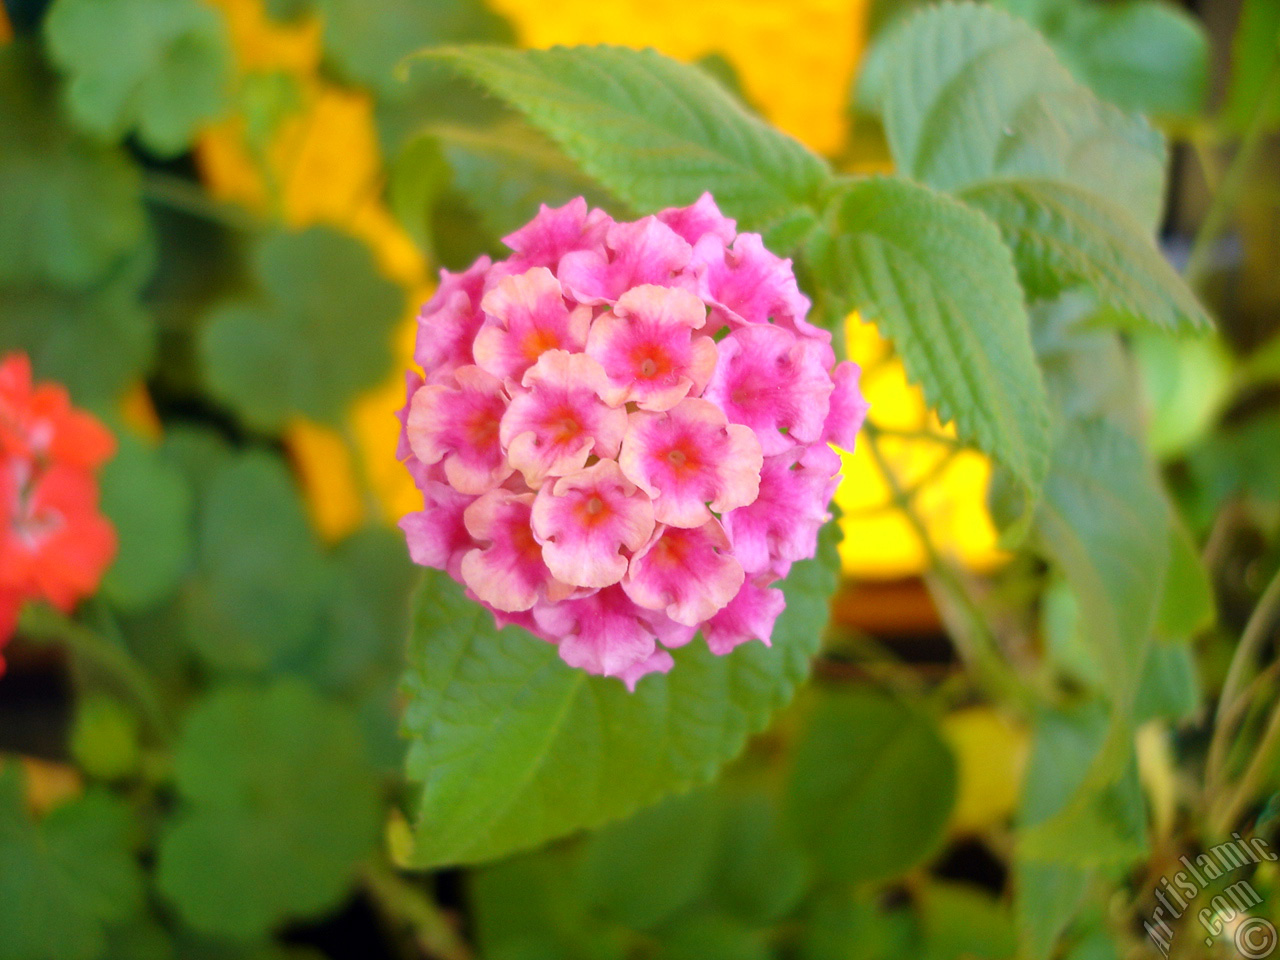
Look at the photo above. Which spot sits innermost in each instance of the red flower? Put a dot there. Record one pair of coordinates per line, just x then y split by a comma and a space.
54, 543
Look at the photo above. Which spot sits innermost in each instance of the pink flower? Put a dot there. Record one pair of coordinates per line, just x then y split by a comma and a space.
647, 251
774, 382
647, 348
589, 522
697, 221
748, 616
782, 523
561, 418
691, 461
448, 323
527, 317
457, 423
437, 534
689, 573
603, 633
507, 571
555, 231
596, 467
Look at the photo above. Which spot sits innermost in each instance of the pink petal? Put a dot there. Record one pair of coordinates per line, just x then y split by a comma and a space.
456, 422
589, 523
556, 231
437, 535
647, 348
782, 523
688, 573
412, 381
773, 381
602, 633
689, 457
507, 571
659, 662
749, 284
749, 616
646, 251
527, 317
848, 407
448, 322
561, 419
698, 220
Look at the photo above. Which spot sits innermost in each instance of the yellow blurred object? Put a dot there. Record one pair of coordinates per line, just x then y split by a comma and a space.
991, 755
6, 28
328, 477
322, 165
139, 413
949, 483
1158, 773
795, 60
48, 784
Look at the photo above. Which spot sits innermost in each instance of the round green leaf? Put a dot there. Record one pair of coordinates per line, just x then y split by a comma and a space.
104, 739
279, 804
318, 332
71, 206
872, 785
146, 497
161, 67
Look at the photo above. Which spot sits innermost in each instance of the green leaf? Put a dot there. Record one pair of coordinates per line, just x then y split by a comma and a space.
969, 93
1064, 236
872, 785
71, 206
260, 594
642, 870
279, 805
1187, 605
963, 921
654, 132
1142, 55
936, 278
160, 67
147, 499
59, 328
515, 748
63, 879
762, 871
1105, 521
508, 170
1255, 50
317, 334
1170, 685
105, 738
712, 936
367, 49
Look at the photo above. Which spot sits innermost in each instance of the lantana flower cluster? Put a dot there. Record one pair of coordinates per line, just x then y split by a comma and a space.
55, 545
621, 433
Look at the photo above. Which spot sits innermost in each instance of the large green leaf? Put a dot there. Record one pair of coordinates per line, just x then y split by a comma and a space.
279, 804
872, 786
161, 67
318, 331
367, 46
515, 748
970, 93
936, 278
71, 206
260, 593
1064, 236
654, 132
147, 499
1143, 55
63, 879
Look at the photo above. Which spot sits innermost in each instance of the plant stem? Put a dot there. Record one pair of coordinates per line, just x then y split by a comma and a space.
409, 905
1227, 197
1266, 761
978, 645
179, 194
39, 621
1261, 623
